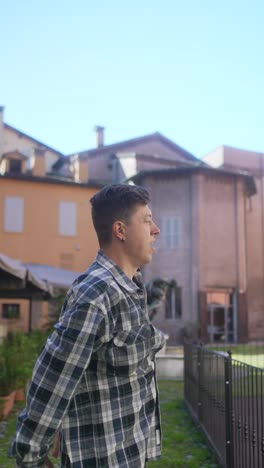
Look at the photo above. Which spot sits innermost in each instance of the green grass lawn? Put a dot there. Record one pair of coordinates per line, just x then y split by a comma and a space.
252, 354
183, 445
7, 429
256, 360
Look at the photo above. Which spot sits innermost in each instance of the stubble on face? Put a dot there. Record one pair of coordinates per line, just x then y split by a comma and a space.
141, 234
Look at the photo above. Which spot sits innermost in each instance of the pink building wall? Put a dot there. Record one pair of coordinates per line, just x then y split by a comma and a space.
212, 254
253, 163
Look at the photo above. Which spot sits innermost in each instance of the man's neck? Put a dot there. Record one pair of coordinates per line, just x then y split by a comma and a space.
121, 260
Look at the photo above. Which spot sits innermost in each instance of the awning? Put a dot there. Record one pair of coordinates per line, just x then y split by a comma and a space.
17, 281
57, 277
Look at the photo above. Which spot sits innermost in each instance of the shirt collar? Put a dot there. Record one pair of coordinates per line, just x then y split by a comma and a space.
121, 278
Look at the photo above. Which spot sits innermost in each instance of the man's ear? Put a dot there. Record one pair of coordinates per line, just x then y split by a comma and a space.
118, 230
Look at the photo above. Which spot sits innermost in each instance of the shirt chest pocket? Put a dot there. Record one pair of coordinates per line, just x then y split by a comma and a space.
130, 348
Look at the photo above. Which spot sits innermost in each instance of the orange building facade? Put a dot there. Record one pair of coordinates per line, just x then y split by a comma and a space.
52, 225
45, 216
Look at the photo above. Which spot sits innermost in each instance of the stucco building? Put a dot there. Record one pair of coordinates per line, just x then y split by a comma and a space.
240, 161
45, 215
211, 247
202, 250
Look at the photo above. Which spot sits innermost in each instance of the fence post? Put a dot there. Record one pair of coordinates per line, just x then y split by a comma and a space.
228, 412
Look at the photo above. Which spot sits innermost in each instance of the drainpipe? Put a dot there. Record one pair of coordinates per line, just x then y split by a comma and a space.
1, 130
191, 248
236, 234
262, 219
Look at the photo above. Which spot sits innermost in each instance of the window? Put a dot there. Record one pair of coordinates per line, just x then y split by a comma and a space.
10, 311
221, 316
67, 218
173, 306
13, 214
171, 232
15, 166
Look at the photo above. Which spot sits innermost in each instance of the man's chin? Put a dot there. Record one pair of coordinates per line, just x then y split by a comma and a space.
147, 259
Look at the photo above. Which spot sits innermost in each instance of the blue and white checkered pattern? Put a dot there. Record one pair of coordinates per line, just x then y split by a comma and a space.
94, 380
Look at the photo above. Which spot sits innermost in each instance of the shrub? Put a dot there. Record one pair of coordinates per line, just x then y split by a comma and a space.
18, 354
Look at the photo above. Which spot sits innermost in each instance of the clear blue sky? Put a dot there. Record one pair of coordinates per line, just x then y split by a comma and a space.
192, 69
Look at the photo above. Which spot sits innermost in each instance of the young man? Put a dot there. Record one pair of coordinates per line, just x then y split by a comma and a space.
94, 381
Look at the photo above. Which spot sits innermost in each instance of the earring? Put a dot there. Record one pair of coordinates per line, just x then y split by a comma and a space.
123, 239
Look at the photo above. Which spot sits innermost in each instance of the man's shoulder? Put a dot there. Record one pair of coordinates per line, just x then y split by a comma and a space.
95, 276
93, 285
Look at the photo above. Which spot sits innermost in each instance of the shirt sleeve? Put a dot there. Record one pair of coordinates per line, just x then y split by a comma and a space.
56, 375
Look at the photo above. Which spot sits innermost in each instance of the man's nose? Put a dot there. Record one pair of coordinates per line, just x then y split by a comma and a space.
155, 230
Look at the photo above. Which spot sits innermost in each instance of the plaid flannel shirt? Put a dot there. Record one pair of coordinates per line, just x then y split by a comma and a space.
94, 381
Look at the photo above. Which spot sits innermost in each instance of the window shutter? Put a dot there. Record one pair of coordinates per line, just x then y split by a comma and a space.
171, 232
14, 214
175, 232
67, 218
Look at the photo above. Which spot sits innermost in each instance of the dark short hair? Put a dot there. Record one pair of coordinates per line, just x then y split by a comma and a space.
113, 203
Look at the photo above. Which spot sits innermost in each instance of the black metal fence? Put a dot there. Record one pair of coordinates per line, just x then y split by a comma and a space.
226, 398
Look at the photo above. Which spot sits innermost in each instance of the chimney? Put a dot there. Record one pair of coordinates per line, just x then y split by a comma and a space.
99, 131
